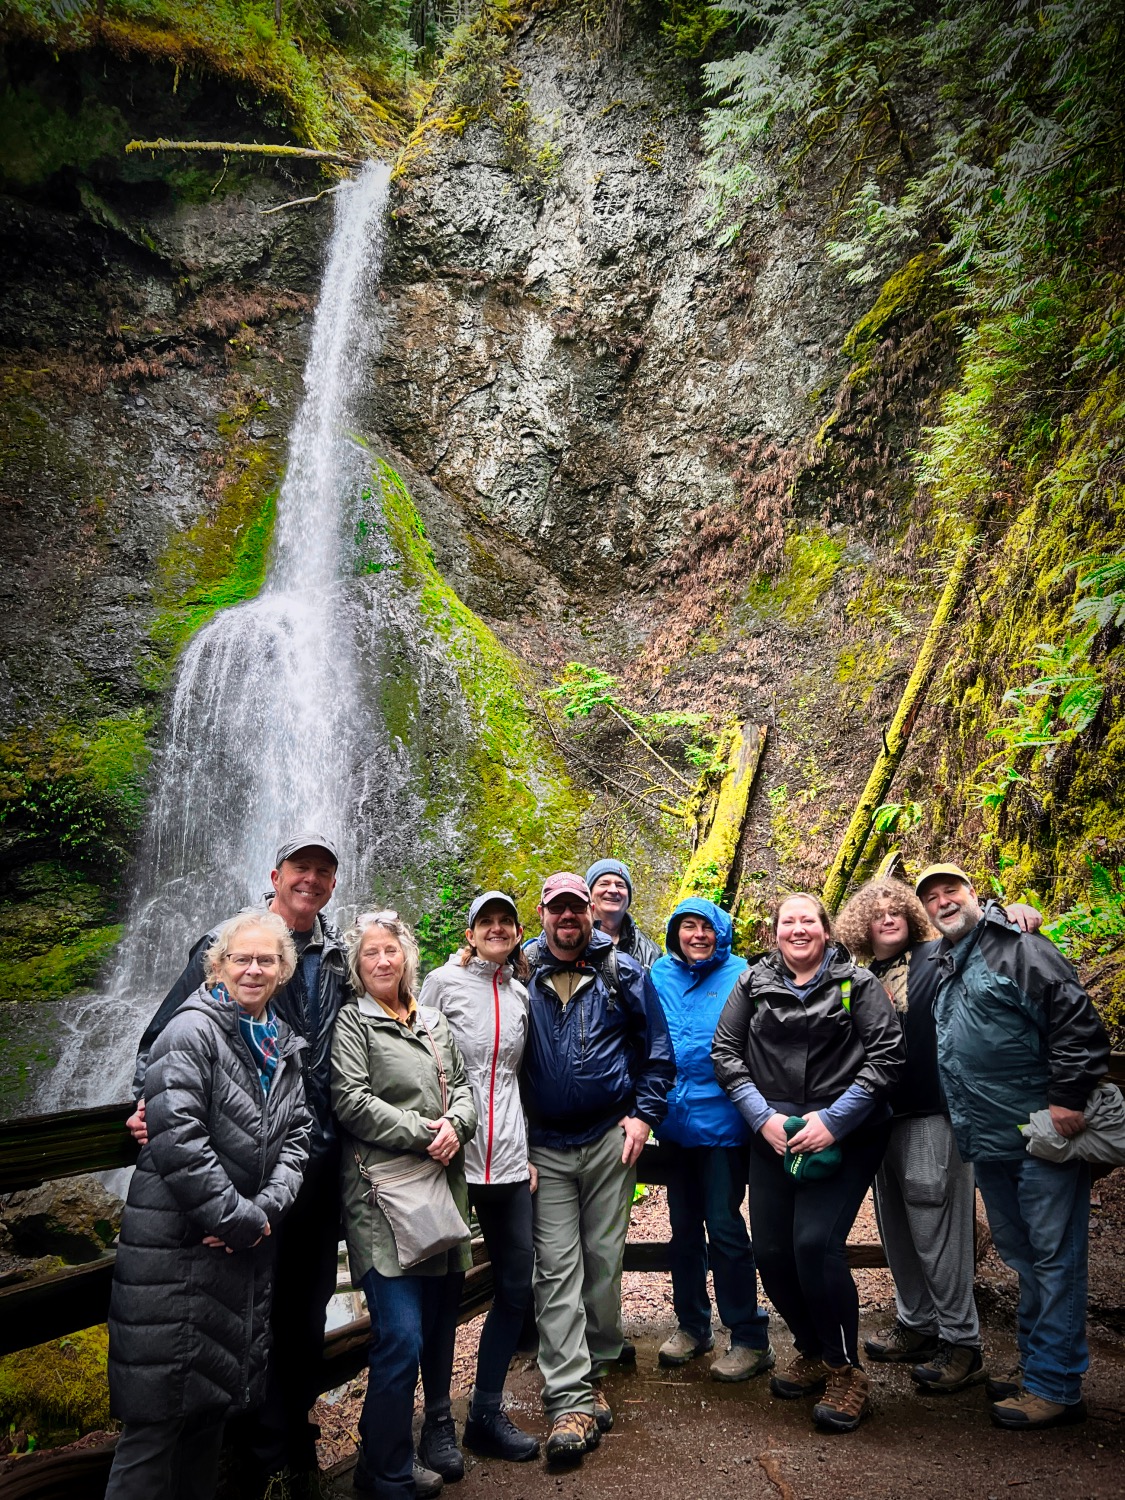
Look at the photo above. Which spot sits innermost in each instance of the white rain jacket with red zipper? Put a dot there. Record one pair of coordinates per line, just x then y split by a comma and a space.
487, 1013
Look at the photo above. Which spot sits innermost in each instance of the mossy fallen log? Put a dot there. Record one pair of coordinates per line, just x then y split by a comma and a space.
709, 869
897, 737
250, 148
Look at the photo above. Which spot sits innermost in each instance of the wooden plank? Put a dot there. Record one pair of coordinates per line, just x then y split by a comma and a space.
50, 1307
655, 1255
42, 1147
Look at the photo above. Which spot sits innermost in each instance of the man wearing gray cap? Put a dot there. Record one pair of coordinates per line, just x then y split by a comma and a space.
279, 1436
611, 896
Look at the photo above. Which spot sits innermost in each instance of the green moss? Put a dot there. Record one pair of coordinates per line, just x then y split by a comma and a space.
58, 1391
811, 561
63, 969
328, 98
218, 562
903, 293
76, 792
519, 811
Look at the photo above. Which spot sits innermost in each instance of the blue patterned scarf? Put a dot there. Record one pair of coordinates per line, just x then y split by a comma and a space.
260, 1035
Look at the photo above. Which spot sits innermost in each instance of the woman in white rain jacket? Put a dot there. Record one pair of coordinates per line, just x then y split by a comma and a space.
479, 992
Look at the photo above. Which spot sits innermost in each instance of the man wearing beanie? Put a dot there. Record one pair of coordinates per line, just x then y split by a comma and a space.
611, 895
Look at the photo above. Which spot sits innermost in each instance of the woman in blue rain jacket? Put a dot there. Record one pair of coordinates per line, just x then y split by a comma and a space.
705, 1144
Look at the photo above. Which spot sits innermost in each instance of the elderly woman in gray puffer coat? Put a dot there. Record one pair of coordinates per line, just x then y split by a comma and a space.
227, 1143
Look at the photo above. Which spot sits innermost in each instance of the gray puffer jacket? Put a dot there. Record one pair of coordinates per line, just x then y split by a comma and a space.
189, 1324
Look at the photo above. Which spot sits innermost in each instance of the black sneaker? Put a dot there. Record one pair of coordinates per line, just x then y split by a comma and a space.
438, 1450
953, 1368
899, 1344
495, 1435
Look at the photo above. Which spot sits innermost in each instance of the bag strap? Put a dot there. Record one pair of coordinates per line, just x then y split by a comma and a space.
441, 1073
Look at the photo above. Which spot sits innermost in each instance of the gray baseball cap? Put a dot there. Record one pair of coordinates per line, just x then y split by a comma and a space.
307, 838
487, 899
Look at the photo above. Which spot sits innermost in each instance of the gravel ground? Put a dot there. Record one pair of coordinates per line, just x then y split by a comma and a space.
677, 1433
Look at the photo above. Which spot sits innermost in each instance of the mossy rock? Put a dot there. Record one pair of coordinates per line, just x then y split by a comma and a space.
58, 1391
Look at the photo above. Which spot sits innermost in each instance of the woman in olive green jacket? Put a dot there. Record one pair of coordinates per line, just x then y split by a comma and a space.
388, 1056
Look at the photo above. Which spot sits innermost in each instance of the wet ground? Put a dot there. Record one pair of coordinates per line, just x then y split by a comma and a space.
680, 1434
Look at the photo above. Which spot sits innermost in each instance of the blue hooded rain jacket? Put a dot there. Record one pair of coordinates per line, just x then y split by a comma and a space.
693, 996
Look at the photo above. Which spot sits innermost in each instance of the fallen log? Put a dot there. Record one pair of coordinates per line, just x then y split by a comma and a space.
896, 738
709, 868
250, 148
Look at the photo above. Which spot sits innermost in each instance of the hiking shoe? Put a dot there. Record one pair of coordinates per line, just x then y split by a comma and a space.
427, 1484
438, 1450
846, 1401
572, 1435
494, 1435
628, 1356
898, 1344
682, 1346
603, 1412
741, 1363
1026, 1411
1000, 1390
953, 1368
803, 1376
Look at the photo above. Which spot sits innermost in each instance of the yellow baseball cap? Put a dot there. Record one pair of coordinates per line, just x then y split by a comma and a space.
932, 871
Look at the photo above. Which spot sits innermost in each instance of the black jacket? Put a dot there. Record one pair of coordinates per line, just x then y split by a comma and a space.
600, 1057
291, 1004
636, 944
188, 1324
807, 1052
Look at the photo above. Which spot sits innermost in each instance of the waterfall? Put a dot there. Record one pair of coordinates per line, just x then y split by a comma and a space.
267, 730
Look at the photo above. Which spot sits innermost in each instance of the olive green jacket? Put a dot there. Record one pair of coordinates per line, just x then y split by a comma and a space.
384, 1085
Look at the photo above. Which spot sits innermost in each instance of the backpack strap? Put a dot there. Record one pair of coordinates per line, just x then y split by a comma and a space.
608, 968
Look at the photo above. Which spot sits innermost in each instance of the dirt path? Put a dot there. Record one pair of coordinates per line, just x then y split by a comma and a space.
680, 1434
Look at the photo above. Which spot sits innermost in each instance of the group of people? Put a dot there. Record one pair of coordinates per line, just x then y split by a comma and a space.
293, 1076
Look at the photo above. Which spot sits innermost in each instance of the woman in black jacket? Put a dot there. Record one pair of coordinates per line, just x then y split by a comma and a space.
807, 1033
227, 1142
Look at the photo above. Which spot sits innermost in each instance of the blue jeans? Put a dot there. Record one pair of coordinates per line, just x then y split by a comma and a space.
1039, 1214
413, 1322
705, 1191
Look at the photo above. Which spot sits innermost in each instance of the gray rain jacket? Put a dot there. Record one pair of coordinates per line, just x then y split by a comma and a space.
189, 1324
487, 1013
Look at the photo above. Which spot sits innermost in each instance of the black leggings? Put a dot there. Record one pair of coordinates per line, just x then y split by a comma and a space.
800, 1230
503, 1211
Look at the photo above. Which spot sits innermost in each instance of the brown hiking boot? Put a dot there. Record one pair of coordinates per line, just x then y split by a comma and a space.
846, 1401
953, 1368
603, 1412
1027, 1411
802, 1376
899, 1344
572, 1435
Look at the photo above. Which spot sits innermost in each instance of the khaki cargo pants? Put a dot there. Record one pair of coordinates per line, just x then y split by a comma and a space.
581, 1221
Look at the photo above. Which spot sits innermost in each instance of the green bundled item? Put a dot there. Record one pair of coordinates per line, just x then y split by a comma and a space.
810, 1166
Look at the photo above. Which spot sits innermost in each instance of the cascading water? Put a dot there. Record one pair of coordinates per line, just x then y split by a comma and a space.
267, 731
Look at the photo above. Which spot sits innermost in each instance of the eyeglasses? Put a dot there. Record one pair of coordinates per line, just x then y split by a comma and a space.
244, 960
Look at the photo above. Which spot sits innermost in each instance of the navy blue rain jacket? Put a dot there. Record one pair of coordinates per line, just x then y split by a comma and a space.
693, 995
597, 1059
